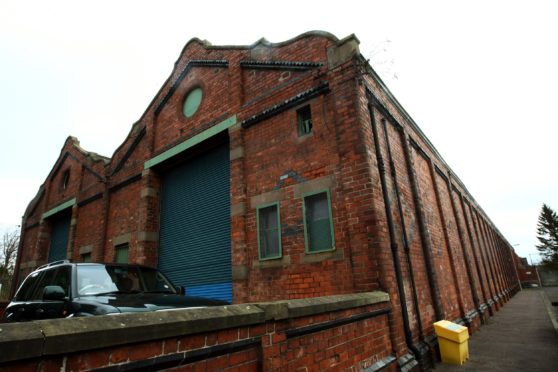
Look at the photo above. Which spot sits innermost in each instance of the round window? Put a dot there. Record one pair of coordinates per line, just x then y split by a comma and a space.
192, 102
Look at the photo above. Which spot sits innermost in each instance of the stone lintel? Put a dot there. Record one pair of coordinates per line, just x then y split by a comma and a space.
318, 184
86, 249
148, 236
28, 264
266, 198
122, 239
239, 272
238, 209
236, 153
44, 235
148, 192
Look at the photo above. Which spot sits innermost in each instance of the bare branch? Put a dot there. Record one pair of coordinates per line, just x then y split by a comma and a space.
9, 244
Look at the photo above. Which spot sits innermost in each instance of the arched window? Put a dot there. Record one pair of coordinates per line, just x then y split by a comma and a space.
65, 179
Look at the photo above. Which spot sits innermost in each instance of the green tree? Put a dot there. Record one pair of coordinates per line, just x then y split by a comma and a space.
547, 234
8, 252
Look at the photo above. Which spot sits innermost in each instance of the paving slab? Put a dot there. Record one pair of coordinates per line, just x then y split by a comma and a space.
519, 337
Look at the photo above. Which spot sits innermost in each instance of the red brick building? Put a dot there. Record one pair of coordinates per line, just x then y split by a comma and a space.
528, 274
280, 171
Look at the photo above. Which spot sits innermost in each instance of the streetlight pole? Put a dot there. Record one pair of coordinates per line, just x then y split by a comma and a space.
531, 258
536, 269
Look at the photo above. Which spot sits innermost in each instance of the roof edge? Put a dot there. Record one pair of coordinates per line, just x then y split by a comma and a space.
263, 41
90, 154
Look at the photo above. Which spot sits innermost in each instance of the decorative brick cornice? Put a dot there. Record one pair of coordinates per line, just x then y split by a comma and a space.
323, 88
375, 102
280, 65
130, 150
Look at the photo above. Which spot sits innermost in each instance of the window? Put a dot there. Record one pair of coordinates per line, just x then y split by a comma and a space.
46, 279
121, 253
304, 116
26, 290
192, 102
65, 179
269, 232
86, 257
62, 278
318, 224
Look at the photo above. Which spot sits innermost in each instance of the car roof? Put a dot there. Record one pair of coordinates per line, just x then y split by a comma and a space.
68, 262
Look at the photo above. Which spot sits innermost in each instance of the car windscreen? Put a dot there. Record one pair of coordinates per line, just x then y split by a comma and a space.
105, 279
26, 290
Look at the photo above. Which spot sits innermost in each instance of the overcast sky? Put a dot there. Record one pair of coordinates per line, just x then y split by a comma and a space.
479, 78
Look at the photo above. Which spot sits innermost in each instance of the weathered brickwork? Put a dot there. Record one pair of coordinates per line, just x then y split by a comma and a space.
343, 333
402, 221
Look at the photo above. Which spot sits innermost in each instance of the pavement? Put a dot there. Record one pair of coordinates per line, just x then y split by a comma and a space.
522, 336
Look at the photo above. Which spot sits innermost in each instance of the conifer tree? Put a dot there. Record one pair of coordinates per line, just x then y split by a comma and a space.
547, 234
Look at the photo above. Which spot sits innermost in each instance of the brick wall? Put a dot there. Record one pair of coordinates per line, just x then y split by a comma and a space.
327, 333
454, 263
403, 221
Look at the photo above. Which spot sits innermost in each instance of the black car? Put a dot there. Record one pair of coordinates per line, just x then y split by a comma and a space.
64, 289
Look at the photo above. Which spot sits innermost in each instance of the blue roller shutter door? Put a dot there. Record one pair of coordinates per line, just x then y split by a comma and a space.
195, 250
59, 238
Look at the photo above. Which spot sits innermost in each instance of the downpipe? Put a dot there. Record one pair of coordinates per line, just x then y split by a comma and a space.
392, 238
406, 246
424, 236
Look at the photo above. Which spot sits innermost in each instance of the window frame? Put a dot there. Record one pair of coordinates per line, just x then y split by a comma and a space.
258, 208
87, 257
65, 179
330, 215
121, 246
299, 120
188, 109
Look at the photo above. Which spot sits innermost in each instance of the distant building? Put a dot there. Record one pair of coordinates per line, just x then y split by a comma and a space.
528, 274
280, 171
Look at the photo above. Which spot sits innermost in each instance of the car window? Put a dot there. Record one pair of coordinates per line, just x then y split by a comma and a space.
97, 279
26, 290
94, 279
156, 282
126, 278
45, 279
62, 278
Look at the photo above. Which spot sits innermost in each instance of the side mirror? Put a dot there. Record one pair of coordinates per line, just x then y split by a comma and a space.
53, 293
182, 291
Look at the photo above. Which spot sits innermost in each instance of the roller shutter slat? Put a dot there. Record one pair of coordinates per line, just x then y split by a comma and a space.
195, 249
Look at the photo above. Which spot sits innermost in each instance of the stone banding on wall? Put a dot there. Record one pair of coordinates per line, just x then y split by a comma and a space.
257, 326
401, 220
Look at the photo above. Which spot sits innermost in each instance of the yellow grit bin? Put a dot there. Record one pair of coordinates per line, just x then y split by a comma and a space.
452, 339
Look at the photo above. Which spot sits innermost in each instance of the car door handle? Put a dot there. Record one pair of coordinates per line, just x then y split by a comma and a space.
39, 311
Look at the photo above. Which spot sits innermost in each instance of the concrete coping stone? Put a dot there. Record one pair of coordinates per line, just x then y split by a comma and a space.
20, 341
280, 310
